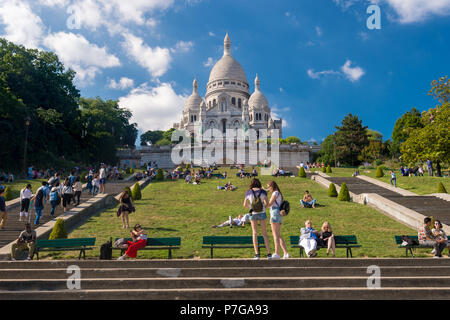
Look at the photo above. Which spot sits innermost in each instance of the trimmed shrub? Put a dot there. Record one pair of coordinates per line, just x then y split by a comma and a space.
441, 188
8, 195
302, 173
128, 190
344, 194
324, 169
332, 191
83, 177
59, 230
329, 169
379, 172
136, 192
160, 175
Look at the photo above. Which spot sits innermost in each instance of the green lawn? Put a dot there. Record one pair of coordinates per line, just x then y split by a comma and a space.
188, 211
18, 185
420, 185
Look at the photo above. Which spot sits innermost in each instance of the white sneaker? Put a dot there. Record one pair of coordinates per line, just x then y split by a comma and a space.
286, 256
433, 251
120, 258
275, 256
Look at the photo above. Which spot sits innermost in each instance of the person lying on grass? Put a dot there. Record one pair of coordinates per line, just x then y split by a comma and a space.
239, 221
228, 186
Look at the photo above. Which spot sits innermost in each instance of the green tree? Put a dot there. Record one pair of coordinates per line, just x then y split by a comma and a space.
151, 136
432, 140
326, 153
403, 127
159, 175
351, 138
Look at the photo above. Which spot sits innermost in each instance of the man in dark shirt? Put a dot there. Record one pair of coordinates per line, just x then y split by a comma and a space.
3, 214
26, 241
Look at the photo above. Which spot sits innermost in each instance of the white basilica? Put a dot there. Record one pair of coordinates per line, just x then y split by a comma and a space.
228, 103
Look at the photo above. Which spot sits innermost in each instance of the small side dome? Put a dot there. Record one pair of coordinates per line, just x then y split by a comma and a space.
194, 101
257, 99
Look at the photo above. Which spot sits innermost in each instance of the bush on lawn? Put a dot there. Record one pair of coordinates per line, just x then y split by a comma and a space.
332, 190
302, 173
329, 169
441, 188
344, 194
324, 169
160, 175
379, 172
59, 230
136, 192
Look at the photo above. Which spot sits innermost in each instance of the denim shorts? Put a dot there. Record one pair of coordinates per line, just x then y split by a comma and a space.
275, 215
258, 216
102, 180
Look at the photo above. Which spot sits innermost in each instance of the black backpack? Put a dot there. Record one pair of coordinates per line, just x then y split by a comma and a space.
286, 207
106, 251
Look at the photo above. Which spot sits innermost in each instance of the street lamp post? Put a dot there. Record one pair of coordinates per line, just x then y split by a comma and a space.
27, 125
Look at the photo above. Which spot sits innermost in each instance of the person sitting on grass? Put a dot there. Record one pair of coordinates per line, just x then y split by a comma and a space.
139, 241
239, 221
197, 178
308, 201
188, 178
254, 173
308, 239
26, 241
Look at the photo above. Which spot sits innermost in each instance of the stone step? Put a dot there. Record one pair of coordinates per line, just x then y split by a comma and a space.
220, 272
221, 282
237, 263
245, 294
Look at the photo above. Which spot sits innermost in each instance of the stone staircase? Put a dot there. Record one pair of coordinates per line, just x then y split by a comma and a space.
236, 279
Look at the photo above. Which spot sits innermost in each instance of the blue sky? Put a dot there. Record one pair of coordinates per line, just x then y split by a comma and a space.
317, 60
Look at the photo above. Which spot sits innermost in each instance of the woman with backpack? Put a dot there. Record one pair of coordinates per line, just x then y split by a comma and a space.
276, 219
55, 199
38, 205
256, 201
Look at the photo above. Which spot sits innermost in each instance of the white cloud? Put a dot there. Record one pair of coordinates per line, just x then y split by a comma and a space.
155, 60
154, 108
134, 10
211, 34
317, 75
345, 4
122, 84
54, 3
419, 10
208, 63
276, 114
319, 31
183, 46
78, 53
353, 74
22, 26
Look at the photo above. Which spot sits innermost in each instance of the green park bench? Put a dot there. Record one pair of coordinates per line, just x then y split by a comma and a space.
342, 242
157, 244
409, 248
230, 242
75, 244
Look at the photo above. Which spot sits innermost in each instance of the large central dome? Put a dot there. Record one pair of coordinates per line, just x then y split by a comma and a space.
227, 67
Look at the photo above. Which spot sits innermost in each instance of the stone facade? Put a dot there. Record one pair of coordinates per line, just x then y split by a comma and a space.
228, 103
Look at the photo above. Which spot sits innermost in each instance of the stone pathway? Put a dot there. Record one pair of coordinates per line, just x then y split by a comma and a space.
426, 205
14, 226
